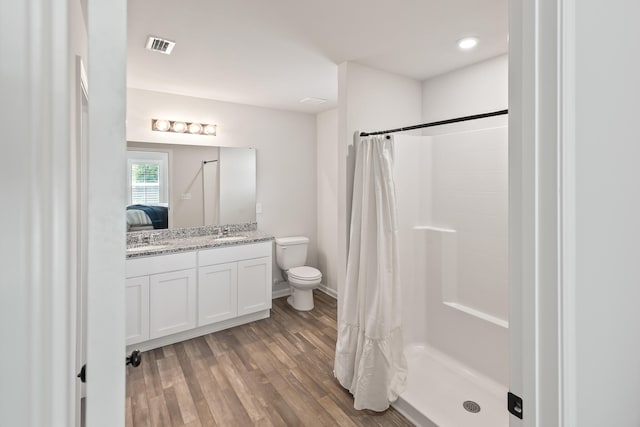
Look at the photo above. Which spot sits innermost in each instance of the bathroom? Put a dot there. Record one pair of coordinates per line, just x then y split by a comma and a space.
298, 159
303, 185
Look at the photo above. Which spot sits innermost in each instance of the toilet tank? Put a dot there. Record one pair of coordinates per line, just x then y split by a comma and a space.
291, 251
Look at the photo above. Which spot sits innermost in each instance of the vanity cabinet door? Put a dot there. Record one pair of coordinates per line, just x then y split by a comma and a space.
254, 285
172, 302
217, 293
137, 309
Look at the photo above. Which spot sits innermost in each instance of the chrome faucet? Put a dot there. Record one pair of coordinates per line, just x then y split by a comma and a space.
225, 231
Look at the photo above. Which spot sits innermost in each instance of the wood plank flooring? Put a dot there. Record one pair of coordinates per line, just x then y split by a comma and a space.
273, 372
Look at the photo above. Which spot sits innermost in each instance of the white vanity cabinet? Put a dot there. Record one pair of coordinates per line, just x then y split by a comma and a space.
218, 293
234, 281
171, 298
172, 302
137, 309
254, 285
161, 296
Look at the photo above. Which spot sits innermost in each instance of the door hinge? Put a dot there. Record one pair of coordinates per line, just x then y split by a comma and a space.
83, 373
514, 405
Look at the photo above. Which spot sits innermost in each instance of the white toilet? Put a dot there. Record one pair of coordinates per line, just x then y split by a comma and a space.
291, 254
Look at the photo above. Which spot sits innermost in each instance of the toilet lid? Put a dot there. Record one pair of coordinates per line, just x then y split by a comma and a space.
304, 273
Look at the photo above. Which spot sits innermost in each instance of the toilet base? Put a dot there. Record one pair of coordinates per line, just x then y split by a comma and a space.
301, 299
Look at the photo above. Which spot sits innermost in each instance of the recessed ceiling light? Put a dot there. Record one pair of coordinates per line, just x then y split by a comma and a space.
467, 43
313, 101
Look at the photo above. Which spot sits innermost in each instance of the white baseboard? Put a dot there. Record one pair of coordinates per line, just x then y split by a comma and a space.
279, 293
331, 292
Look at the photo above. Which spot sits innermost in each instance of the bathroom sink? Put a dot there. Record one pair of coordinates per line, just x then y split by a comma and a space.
146, 248
230, 238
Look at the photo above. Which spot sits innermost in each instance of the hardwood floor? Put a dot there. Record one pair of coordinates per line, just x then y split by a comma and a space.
273, 372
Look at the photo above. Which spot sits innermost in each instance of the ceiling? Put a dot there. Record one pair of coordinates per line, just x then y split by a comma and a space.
273, 53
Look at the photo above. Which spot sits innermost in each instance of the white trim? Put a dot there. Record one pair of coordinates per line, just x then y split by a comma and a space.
414, 416
279, 293
567, 205
329, 291
106, 25
522, 285
79, 228
536, 251
197, 332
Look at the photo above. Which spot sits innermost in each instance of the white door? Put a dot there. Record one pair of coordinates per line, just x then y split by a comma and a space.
39, 247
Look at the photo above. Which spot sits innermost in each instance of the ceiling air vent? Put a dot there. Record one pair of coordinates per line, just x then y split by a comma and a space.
156, 44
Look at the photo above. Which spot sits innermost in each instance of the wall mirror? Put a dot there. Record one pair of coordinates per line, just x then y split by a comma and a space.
172, 185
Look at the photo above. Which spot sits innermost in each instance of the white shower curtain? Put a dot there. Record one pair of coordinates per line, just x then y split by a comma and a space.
369, 361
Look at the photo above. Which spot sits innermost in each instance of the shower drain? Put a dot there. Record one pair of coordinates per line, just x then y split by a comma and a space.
471, 406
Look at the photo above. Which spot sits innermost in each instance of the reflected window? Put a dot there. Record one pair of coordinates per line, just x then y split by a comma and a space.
147, 178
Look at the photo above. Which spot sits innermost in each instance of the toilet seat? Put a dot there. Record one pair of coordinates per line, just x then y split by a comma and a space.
304, 274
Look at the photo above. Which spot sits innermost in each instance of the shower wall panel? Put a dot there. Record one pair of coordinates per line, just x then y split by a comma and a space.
452, 212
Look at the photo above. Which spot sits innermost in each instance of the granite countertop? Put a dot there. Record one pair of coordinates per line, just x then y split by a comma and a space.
164, 246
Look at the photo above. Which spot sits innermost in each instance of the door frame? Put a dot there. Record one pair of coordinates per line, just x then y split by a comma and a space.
542, 210
107, 30
79, 196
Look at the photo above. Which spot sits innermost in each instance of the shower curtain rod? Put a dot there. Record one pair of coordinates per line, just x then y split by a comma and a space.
438, 123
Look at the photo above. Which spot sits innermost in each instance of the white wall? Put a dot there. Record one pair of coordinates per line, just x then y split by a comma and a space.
469, 195
601, 92
368, 100
327, 149
478, 88
285, 145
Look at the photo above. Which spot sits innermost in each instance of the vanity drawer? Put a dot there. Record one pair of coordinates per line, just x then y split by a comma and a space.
159, 264
234, 253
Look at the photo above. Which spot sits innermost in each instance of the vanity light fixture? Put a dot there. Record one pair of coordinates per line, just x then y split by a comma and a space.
193, 128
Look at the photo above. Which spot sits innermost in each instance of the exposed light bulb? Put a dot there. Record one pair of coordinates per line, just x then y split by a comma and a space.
179, 127
195, 128
467, 43
210, 130
162, 125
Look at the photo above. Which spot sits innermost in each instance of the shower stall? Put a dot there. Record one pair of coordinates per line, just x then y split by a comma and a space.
452, 216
